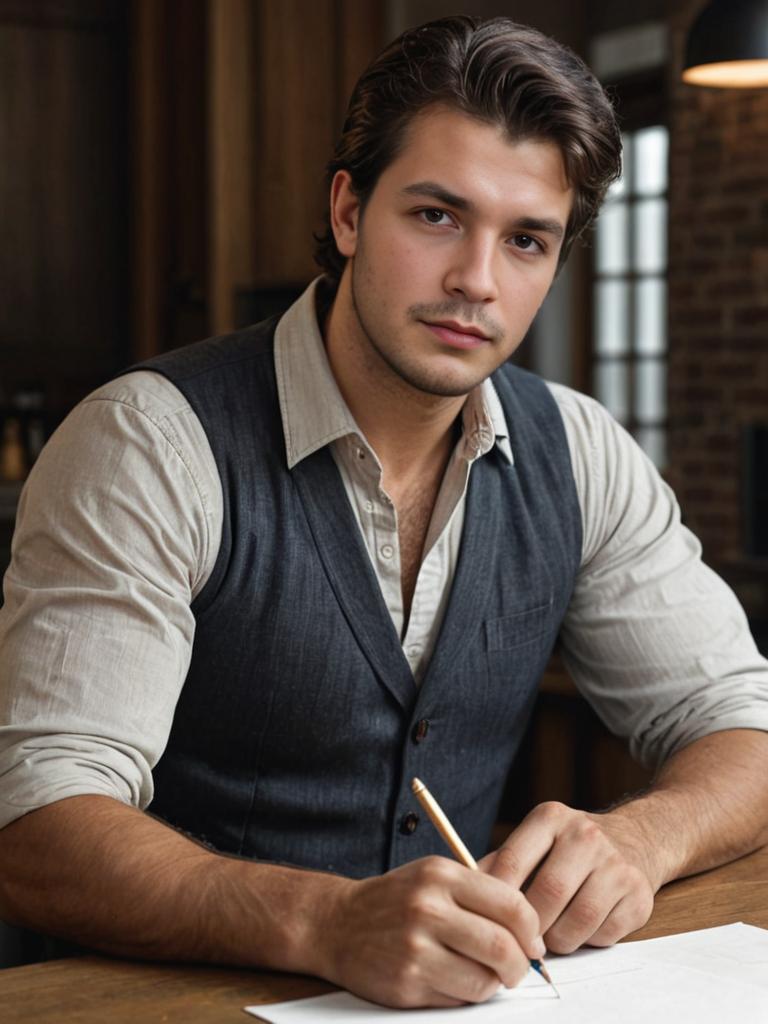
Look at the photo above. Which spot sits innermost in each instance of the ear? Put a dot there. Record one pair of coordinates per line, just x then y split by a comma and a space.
345, 210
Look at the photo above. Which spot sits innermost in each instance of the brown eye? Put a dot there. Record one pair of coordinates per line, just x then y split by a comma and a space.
433, 216
527, 243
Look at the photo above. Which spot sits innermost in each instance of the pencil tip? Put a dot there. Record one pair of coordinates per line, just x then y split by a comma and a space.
539, 966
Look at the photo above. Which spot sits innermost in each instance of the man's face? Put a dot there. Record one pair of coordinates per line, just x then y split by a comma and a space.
454, 251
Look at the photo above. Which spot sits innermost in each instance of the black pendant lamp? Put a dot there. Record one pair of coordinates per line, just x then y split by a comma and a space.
727, 45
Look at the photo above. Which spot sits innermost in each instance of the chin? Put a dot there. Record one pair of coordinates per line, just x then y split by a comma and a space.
441, 386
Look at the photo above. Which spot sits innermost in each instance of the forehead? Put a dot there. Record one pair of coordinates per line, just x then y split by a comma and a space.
467, 154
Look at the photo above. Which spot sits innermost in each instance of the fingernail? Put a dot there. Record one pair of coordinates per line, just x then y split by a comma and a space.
539, 948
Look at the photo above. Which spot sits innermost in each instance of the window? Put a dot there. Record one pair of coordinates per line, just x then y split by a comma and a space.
629, 334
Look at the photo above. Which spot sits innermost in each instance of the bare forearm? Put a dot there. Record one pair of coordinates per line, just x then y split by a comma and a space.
95, 871
429, 933
708, 805
592, 877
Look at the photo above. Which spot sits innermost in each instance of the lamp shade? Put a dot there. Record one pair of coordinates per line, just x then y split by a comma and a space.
727, 45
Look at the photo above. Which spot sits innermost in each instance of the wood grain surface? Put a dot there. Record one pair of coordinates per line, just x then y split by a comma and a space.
96, 990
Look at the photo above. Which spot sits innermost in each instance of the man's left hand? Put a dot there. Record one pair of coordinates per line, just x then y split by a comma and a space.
590, 877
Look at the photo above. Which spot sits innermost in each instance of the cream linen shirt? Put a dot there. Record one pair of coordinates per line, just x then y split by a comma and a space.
119, 526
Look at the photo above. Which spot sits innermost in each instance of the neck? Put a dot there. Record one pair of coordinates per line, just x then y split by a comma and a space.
408, 429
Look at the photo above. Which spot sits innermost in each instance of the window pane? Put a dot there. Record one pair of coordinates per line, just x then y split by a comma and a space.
650, 236
611, 318
613, 239
612, 387
651, 316
650, 390
650, 164
653, 441
619, 188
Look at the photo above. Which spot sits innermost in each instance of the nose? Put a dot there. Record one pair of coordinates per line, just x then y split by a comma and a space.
471, 274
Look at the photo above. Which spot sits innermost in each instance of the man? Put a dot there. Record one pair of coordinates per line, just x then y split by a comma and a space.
374, 546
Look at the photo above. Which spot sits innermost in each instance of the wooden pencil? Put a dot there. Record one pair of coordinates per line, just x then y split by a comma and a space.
439, 819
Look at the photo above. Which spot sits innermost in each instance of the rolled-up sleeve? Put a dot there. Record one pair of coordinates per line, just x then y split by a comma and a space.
117, 530
654, 639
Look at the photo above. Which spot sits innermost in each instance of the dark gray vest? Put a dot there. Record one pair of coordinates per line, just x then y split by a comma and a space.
300, 727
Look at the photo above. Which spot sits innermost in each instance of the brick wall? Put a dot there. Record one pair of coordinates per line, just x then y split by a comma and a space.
718, 296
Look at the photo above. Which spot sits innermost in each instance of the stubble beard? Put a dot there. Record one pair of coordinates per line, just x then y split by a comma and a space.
420, 378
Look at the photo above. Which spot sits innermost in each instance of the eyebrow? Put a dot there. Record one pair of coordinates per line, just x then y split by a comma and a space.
444, 195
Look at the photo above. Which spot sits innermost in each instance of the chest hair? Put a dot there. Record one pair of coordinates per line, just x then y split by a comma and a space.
414, 512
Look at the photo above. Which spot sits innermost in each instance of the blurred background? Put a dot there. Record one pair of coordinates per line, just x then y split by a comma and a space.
161, 174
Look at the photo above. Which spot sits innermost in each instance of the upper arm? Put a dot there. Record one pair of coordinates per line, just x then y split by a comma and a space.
116, 532
653, 637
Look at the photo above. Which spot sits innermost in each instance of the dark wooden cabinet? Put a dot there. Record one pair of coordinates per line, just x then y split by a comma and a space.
64, 197
159, 156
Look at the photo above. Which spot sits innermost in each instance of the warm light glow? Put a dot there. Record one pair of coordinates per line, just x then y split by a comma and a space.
732, 74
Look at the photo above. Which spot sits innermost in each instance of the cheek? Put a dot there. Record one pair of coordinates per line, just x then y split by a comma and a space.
519, 305
404, 262
524, 293
398, 255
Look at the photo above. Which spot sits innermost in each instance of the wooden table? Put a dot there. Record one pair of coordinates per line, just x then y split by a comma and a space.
97, 990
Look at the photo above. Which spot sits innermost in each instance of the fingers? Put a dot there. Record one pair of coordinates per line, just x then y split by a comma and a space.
487, 921
629, 914
593, 918
584, 883
463, 979
489, 944
495, 901
525, 848
432, 933
571, 861
431, 975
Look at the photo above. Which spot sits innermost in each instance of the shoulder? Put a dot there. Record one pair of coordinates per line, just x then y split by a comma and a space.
585, 419
141, 427
150, 394
621, 492
600, 447
148, 405
131, 454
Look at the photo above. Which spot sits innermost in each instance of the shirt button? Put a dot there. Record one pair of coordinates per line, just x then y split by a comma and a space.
414, 650
386, 550
420, 730
369, 506
409, 823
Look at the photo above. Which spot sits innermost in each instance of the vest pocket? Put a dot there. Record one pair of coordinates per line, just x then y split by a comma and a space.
523, 627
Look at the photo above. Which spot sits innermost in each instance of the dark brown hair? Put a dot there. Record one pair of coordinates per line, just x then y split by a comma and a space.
498, 72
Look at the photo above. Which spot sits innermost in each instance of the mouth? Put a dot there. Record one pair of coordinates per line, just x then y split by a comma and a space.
456, 334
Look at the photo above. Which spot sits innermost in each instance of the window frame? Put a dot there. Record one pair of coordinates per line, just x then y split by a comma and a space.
641, 101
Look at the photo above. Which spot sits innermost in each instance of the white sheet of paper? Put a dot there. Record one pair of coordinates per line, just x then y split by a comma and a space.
710, 976
736, 951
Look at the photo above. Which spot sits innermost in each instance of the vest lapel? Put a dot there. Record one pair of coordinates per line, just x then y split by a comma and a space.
350, 573
486, 514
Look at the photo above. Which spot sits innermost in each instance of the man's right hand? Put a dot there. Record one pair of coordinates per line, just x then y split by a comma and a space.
430, 933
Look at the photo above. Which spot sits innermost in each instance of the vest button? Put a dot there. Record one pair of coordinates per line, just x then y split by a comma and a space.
409, 823
420, 730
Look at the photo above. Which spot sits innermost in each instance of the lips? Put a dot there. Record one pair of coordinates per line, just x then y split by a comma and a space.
457, 335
